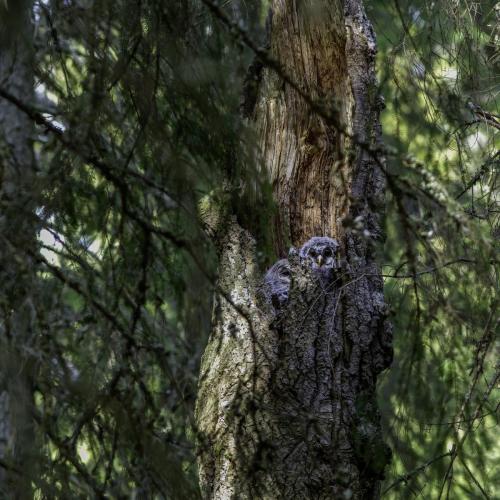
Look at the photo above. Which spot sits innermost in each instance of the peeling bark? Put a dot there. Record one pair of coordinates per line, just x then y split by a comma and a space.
286, 405
305, 157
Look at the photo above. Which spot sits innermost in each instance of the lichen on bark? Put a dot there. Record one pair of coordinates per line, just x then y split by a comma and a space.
286, 405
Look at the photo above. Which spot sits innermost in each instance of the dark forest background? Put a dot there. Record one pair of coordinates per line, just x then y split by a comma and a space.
136, 121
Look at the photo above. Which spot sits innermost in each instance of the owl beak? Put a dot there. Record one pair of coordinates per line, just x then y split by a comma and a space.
320, 260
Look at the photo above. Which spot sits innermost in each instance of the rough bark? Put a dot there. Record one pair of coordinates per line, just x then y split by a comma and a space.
304, 156
286, 405
18, 240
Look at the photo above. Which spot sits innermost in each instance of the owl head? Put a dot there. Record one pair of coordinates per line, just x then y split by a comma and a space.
277, 283
320, 254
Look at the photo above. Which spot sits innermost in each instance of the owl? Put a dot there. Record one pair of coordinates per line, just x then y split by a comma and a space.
277, 283
320, 254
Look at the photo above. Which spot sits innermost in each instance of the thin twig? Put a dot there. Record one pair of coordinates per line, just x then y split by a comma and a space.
406, 477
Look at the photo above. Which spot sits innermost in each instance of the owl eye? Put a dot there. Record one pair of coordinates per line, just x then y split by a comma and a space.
328, 252
312, 253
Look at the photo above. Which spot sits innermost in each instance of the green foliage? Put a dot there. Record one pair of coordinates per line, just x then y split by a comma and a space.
138, 122
138, 119
439, 75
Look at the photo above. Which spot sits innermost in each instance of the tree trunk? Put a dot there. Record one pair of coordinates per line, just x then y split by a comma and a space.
18, 235
286, 405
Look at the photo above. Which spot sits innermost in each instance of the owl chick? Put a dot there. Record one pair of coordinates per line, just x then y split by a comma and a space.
320, 254
277, 283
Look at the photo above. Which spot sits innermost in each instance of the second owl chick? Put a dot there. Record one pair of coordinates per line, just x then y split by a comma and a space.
277, 283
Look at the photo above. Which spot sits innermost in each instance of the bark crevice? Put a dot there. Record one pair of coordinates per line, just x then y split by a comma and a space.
286, 407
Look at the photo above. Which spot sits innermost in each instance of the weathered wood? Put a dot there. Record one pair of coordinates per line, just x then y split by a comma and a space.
286, 405
306, 158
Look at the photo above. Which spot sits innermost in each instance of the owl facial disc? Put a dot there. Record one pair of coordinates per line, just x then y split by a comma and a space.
320, 254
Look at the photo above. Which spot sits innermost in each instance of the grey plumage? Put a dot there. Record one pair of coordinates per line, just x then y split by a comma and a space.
320, 254
277, 283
